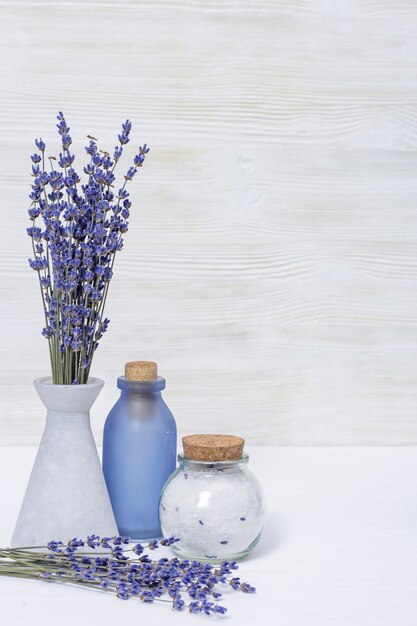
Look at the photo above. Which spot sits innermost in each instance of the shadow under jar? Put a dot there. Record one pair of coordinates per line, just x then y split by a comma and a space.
212, 502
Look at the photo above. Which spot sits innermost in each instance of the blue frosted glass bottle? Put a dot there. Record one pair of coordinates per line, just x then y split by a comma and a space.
139, 450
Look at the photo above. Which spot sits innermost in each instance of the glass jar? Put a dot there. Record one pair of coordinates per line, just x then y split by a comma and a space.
215, 508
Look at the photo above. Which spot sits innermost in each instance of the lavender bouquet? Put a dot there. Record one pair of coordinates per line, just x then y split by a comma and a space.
77, 229
126, 570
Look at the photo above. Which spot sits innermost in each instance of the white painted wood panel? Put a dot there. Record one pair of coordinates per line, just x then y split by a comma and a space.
339, 547
271, 264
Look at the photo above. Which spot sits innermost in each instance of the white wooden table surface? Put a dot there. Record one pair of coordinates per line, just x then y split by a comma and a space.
339, 548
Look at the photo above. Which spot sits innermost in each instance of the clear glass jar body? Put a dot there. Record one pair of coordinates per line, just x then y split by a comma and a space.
216, 509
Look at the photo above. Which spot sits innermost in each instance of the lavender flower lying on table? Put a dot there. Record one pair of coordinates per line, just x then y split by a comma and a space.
126, 571
80, 229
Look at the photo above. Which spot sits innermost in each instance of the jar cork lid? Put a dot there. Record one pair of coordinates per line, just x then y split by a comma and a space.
213, 447
141, 370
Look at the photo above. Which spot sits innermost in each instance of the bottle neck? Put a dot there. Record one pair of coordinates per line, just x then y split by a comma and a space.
130, 393
141, 388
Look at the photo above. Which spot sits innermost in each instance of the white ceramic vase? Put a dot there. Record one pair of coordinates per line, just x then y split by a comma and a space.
66, 496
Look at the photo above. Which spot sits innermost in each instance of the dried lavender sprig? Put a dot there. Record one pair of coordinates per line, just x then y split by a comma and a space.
164, 580
81, 229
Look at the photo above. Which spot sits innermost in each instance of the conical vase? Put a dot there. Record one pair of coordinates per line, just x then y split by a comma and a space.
66, 496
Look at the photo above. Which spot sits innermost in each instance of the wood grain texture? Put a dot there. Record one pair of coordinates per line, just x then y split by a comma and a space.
319, 561
271, 264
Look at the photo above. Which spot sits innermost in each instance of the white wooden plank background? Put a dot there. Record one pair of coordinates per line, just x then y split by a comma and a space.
271, 264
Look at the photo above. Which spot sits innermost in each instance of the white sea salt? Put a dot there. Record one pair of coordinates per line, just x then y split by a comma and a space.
217, 510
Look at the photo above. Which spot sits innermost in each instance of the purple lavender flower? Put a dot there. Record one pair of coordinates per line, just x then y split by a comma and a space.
75, 543
124, 136
117, 153
178, 603
138, 549
122, 591
147, 596
168, 541
117, 541
194, 607
40, 144
235, 583
149, 580
130, 173
93, 541
77, 228
55, 546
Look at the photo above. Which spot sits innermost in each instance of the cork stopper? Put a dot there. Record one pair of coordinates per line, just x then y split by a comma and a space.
141, 370
213, 447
